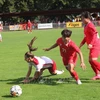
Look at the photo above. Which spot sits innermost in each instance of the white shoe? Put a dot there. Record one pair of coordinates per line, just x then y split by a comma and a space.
59, 72
79, 82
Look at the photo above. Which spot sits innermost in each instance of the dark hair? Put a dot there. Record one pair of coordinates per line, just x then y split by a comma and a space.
28, 54
86, 14
66, 33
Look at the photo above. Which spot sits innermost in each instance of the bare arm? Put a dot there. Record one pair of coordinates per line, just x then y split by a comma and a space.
28, 73
52, 47
82, 60
36, 75
82, 42
26, 80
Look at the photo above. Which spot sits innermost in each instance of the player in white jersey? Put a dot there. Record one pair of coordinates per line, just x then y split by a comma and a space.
40, 64
1, 28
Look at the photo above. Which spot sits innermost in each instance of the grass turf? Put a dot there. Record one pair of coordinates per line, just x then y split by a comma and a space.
13, 68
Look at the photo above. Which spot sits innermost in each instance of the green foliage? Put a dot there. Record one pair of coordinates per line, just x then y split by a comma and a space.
6, 6
31, 5
43, 4
20, 6
13, 6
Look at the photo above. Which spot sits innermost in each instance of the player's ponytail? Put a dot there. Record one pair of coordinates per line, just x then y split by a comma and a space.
30, 45
29, 53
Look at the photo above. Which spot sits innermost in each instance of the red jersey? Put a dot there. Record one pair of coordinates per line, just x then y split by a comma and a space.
69, 50
29, 23
90, 35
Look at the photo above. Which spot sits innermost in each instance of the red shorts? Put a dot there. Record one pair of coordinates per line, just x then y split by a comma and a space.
52, 67
94, 53
29, 27
72, 60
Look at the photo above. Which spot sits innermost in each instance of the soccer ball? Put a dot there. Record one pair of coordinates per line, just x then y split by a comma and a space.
15, 90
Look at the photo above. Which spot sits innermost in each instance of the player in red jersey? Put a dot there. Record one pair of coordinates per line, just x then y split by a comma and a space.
29, 26
40, 63
91, 38
68, 51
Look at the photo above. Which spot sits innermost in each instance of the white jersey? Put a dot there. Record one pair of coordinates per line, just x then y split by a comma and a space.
0, 37
43, 62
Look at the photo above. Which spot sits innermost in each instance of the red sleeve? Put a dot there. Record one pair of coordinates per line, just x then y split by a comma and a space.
58, 41
93, 35
35, 61
75, 47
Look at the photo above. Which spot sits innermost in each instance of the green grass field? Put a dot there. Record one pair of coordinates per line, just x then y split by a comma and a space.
13, 68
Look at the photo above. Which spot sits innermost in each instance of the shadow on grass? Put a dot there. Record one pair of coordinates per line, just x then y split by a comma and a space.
7, 96
13, 81
50, 81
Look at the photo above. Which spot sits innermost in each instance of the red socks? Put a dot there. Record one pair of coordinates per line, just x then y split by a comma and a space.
94, 68
96, 64
75, 75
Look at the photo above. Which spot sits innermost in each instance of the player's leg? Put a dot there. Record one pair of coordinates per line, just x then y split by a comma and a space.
53, 69
94, 53
96, 71
0, 38
30, 29
41, 71
70, 67
97, 67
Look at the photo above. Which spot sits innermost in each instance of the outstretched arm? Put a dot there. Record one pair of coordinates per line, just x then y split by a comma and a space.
27, 75
36, 76
82, 60
52, 47
82, 42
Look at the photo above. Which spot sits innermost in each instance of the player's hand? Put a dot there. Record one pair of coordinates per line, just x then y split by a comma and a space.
32, 80
46, 49
26, 81
89, 46
83, 66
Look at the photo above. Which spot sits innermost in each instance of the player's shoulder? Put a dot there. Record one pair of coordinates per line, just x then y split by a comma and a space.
72, 42
37, 57
91, 25
59, 39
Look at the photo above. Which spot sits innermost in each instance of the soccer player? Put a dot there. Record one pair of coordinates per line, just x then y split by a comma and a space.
29, 26
68, 51
40, 63
1, 28
91, 38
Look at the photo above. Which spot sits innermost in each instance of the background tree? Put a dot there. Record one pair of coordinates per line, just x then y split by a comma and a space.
14, 6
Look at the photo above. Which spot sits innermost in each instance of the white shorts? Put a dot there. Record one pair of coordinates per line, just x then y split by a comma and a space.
0, 37
47, 60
